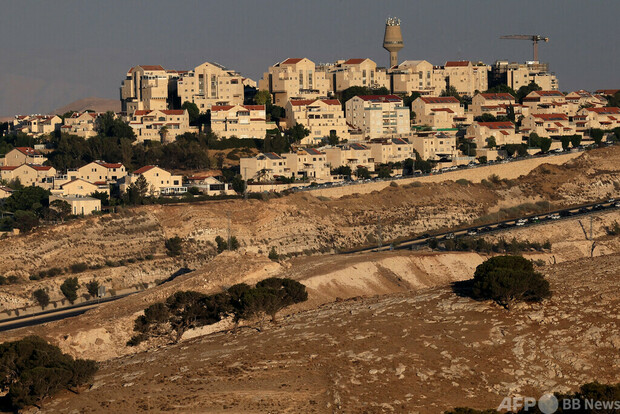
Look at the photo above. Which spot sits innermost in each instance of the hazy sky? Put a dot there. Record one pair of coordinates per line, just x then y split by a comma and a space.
55, 52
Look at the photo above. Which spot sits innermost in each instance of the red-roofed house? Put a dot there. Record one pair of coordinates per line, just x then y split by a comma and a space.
439, 112
296, 78
378, 116
81, 124
320, 116
159, 181
503, 132
547, 125
100, 171
22, 155
465, 76
241, 121
29, 174
603, 118
79, 187
162, 125
549, 102
36, 125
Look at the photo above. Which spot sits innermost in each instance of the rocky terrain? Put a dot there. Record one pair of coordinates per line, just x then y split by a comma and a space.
417, 351
299, 224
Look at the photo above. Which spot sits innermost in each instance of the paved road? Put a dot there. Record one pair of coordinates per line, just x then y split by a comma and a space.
504, 225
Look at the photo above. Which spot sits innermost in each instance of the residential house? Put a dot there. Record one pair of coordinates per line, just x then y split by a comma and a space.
99, 172
160, 181
516, 75
241, 121
548, 102
22, 155
378, 115
5, 192
434, 145
439, 112
81, 124
386, 150
211, 84
495, 104
264, 167
604, 118
322, 117
465, 76
355, 72
503, 132
79, 187
351, 155
29, 174
294, 78
415, 76
547, 125
80, 205
36, 125
210, 185
308, 163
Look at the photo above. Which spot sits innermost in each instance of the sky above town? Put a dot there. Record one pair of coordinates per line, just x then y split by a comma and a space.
56, 52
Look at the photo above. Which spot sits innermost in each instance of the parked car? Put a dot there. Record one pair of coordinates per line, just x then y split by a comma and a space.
449, 236
472, 232
554, 216
521, 222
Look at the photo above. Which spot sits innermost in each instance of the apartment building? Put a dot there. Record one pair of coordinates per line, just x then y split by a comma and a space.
378, 115
386, 150
160, 181
308, 163
28, 174
467, 77
321, 116
516, 75
35, 125
415, 76
163, 125
491, 103
434, 145
547, 125
603, 118
241, 121
351, 155
355, 72
503, 132
22, 155
82, 124
211, 84
547, 101
148, 88
294, 78
581, 99
264, 167
439, 112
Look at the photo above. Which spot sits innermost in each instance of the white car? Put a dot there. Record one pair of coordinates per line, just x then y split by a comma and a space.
554, 217
521, 222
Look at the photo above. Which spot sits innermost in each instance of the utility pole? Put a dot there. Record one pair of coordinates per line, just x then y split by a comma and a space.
379, 241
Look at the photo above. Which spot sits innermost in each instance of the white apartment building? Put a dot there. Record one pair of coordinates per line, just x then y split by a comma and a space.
351, 155
264, 167
378, 115
308, 163
210, 84
386, 150
439, 112
148, 87
434, 145
355, 72
162, 125
415, 76
503, 133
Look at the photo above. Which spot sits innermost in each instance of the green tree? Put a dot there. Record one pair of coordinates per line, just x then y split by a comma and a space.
192, 111
297, 133
491, 142
502, 88
41, 297
221, 244
545, 144
69, 288
384, 172
137, 191
262, 97
343, 170
565, 141
507, 279
93, 288
362, 173
25, 220
333, 139
27, 198
451, 91
273, 255
597, 135
360, 90
575, 140
61, 208
109, 125
526, 90
276, 142
103, 196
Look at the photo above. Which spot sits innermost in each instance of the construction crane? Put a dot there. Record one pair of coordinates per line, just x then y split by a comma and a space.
534, 38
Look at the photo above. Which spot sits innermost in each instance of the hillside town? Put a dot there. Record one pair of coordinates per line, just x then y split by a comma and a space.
307, 124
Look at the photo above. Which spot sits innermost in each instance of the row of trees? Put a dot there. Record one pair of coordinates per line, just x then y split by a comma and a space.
69, 289
188, 309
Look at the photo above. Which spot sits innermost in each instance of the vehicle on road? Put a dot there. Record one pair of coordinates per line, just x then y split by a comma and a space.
554, 216
450, 236
521, 222
472, 232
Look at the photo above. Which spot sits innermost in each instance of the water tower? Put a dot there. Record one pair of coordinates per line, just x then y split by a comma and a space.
393, 39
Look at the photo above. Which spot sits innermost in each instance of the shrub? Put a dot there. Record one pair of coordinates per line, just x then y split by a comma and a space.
78, 267
32, 369
174, 246
41, 297
3, 281
69, 288
507, 279
13, 280
149, 257
463, 182
54, 271
273, 255
93, 288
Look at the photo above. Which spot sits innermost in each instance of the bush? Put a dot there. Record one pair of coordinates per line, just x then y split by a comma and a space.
508, 279
69, 288
463, 182
174, 246
273, 255
41, 297
32, 369
78, 267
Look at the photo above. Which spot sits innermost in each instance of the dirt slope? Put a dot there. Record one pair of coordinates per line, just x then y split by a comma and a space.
422, 351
